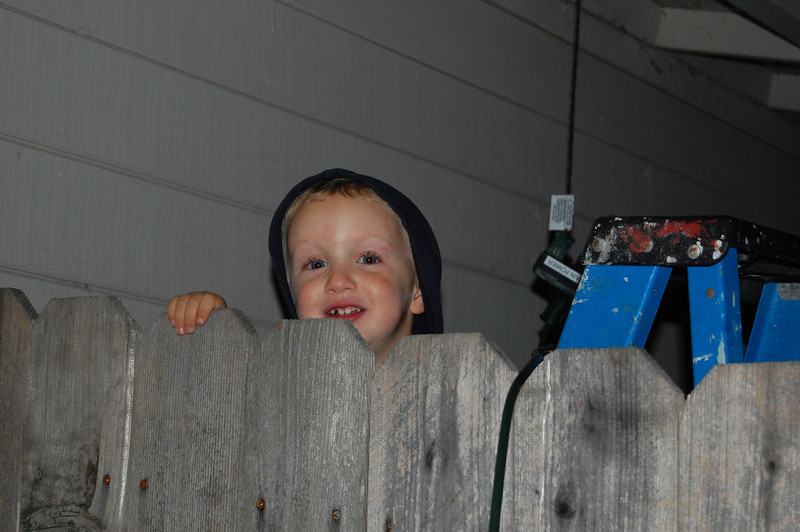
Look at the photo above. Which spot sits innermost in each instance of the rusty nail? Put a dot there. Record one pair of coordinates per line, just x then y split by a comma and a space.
260, 504
337, 515
39, 475
694, 251
106, 480
598, 245
710, 293
143, 484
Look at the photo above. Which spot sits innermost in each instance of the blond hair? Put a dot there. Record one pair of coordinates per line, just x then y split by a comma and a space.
344, 186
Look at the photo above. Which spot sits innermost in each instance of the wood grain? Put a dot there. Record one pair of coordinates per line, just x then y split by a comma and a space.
79, 378
437, 402
186, 424
594, 443
300, 431
16, 315
740, 449
305, 446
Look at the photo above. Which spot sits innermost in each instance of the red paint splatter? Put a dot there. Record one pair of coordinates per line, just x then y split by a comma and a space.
640, 241
690, 229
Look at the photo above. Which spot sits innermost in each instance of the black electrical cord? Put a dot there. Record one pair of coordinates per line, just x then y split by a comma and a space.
539, 352
505, 433
571, 132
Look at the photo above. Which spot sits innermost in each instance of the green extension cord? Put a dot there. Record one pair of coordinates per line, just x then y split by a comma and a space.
505, 432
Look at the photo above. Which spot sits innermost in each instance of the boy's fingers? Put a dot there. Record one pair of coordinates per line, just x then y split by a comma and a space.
190, 311
171, 310
187, 311
180, 313
206, 304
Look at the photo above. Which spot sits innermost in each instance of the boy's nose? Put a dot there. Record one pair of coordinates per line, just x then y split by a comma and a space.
340, 279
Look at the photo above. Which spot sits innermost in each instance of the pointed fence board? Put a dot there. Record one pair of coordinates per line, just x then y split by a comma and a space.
16, 315
594, 444
187, 425
437, 402
80, 363
305, 445
740, 454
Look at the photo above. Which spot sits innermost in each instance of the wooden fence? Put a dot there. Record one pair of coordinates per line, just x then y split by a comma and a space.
106, 427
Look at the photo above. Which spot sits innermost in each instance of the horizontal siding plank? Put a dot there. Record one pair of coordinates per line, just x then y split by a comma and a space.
396, 103
468, 40
98, 228
686, 78
614, 181
75, 95
624, 112
507, 313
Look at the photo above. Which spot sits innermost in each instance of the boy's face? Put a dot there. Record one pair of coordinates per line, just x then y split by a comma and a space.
349, 258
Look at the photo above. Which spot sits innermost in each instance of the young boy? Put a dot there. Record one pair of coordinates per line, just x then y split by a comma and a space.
347, 246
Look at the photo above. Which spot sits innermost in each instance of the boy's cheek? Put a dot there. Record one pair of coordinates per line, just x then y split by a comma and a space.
303, 304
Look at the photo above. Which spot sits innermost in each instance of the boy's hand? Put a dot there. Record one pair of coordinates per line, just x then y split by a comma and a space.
187, 311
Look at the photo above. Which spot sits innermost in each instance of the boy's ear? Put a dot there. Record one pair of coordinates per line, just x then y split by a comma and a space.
417, 304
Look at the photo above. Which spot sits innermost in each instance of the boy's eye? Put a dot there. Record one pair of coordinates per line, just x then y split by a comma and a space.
315, 264
369, 258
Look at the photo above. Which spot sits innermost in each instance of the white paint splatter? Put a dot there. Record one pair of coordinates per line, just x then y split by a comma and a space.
701, 358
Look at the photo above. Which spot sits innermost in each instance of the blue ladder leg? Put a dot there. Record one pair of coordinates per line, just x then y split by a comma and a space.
614, 306
774, 335
715, 315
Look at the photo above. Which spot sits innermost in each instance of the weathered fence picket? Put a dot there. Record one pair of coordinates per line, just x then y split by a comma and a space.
437, 402
306, 440
186, 425
300, 431
740, 449
16, 315
78, 380
595, 444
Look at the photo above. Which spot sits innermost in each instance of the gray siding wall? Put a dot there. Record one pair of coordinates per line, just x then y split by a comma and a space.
144, 145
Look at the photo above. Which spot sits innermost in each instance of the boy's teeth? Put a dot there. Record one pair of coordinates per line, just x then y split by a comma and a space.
343, 311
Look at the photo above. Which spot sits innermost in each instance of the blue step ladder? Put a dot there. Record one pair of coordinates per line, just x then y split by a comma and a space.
628, 262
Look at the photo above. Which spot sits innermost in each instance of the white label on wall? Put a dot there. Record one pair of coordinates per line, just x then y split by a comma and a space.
562, 207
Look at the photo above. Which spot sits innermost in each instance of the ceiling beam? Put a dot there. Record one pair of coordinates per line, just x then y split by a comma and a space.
784, 92
721, 33
780, 16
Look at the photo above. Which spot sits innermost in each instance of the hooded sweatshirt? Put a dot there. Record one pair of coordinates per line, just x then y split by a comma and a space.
424, 248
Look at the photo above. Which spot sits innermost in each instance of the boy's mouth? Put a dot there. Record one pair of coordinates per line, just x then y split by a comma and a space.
348, 312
